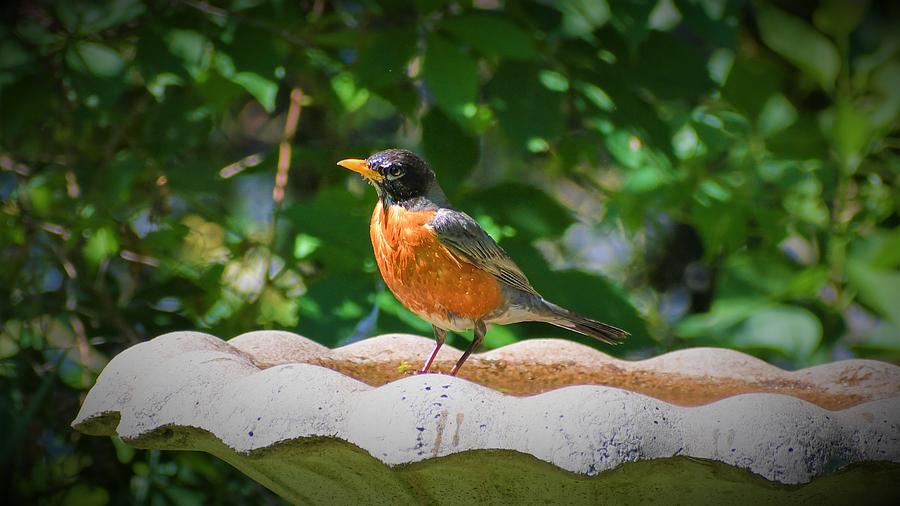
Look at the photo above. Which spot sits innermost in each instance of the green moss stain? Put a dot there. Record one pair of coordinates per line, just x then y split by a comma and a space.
328, 471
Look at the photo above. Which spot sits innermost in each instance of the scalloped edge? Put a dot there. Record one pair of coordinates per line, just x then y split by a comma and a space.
193, 380
511, 369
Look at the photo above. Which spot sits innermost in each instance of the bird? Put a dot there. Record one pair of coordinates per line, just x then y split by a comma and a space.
443, 266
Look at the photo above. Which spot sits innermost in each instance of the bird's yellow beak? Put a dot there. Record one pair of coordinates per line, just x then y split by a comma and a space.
362, 168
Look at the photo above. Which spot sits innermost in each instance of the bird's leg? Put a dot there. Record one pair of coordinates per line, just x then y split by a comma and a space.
480, 330
439, 335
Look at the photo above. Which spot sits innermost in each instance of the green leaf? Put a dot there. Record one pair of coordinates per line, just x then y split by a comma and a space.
777, 114
124, 451
383, 60
351, 96
8, 347
883, 108
790, 331
181, 496
94, 58
492, 35
305, 245
155, 58
450, 150
12, 54
877, 288
85, 495
582, 17
85, 17
800, 44
884, 340
276, 309
723, 226
194, 50
254, 49
880, 249
804, 202
451, 75
724, 314
751, 83
524, 106
340, 221
850, 132
499, 335
631, 18
529, 210
101, 245
262, 89
673, 69
389, 304
840, 17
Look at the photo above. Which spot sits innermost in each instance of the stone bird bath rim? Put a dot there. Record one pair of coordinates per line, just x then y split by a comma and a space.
254, 399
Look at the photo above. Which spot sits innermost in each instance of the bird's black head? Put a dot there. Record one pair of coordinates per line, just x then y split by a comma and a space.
400, 176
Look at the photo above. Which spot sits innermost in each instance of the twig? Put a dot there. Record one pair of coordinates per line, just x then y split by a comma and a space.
284, 149
281, 175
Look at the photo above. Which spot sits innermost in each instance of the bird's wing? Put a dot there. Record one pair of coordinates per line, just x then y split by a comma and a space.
465, 238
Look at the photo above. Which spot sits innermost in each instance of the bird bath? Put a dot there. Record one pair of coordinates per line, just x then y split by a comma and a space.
546, 421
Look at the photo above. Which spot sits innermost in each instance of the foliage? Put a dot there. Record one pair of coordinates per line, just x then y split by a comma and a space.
698, 172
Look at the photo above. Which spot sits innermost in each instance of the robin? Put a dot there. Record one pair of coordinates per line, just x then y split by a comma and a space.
443, 266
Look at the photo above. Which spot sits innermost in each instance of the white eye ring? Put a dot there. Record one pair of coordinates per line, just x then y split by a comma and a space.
394, 172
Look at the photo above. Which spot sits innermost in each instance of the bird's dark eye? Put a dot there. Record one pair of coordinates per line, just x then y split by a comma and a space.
395, 171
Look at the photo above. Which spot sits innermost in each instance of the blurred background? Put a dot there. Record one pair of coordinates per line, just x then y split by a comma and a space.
699, 172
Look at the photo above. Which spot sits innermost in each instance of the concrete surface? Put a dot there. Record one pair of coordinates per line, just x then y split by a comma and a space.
315, 435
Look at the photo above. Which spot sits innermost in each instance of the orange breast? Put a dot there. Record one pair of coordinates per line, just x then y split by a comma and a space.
423, 274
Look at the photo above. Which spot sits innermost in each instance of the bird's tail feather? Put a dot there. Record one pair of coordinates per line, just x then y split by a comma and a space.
562, 317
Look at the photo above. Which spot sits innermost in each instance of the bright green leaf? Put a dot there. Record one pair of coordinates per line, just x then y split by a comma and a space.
851, 134
305, 245
582, 17
389, 304
801, 44
194, 50
101, 245
879, 249
275, 308
96, 59
790, 331
352, 97
877, 288
262, 89
451, 75
124, 451
498, 336
777, 114
724, 314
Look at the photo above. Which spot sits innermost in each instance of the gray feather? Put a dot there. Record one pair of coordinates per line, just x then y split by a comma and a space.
465, 237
